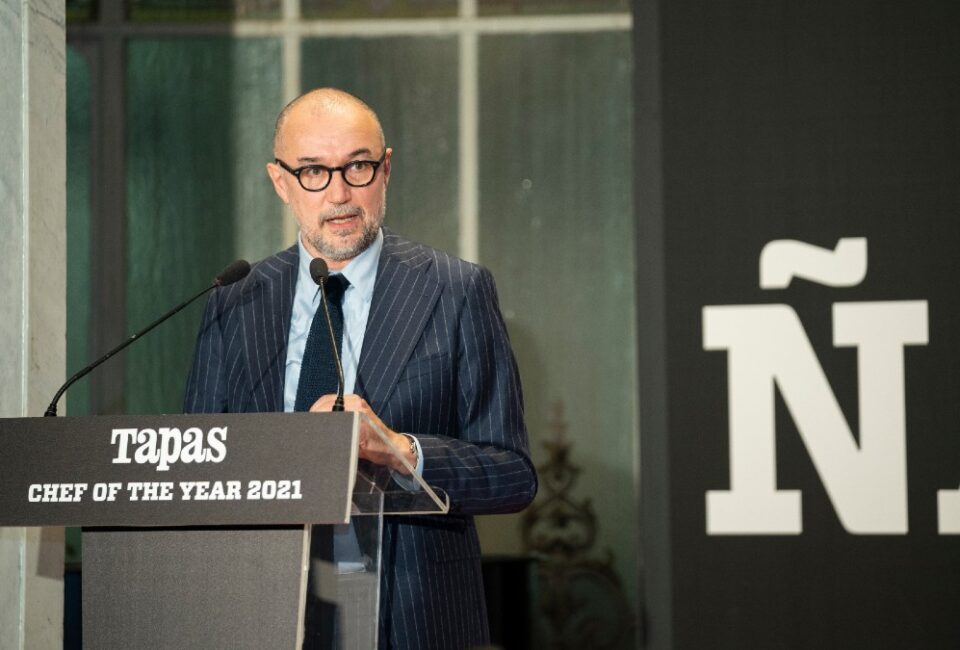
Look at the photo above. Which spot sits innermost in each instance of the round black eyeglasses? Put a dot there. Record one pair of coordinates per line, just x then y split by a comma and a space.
315, 178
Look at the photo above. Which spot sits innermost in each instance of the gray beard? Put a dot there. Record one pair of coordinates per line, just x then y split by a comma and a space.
328, 246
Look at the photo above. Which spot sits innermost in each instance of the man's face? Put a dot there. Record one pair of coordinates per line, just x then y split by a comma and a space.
339, 222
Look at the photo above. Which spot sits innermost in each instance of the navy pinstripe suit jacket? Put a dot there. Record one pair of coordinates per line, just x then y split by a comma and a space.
436, 362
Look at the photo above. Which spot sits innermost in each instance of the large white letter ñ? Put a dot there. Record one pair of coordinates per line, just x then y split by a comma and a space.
767, 347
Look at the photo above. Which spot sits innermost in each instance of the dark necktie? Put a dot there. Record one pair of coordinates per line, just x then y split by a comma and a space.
318, 370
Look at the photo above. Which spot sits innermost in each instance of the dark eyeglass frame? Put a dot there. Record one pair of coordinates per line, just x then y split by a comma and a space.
330, 170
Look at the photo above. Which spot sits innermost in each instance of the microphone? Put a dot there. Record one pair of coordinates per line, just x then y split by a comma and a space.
319, 273
237, 271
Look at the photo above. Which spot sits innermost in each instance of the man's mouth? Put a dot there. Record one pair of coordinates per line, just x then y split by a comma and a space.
342, 220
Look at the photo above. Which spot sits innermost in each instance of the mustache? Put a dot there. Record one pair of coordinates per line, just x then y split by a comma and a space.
342, 211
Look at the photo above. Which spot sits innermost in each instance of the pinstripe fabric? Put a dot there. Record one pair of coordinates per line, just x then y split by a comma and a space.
436, 362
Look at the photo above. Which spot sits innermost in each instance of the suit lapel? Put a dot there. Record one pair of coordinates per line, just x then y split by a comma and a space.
266, 324
403, 300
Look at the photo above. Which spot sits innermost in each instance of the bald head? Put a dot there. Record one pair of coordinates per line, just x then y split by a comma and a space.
320, 103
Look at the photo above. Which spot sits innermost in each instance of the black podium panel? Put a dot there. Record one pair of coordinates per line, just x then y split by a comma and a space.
177, 470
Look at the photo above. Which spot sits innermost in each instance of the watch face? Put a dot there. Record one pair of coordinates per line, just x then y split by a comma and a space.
413, 447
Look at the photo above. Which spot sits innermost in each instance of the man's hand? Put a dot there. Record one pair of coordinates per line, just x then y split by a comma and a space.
372, 447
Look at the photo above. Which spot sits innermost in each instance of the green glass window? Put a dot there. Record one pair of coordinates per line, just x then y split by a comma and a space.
556, 227
200, 116
201, 10
412, 84
81, 11
533, 7
78, 227
350, 9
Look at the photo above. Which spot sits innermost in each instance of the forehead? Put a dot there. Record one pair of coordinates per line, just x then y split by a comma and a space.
329, 136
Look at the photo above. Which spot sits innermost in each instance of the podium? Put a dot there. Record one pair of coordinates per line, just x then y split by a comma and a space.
214, 531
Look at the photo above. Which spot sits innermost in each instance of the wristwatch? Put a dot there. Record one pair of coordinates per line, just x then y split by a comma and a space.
413, 449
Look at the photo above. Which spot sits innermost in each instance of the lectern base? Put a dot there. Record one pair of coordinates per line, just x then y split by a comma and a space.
190, 587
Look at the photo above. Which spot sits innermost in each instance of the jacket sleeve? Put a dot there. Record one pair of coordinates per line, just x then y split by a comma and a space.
485, 466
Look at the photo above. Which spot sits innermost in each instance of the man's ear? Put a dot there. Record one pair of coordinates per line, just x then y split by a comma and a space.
386, 165
276, 172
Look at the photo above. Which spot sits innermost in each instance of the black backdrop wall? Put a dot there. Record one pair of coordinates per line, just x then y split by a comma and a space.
800, 418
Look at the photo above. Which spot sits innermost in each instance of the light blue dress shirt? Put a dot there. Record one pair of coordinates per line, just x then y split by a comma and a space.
361, 272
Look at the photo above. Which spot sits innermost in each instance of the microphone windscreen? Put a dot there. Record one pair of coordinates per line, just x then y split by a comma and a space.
318, 270
235, 272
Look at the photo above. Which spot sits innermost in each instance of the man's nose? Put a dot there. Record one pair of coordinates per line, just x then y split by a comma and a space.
338, 191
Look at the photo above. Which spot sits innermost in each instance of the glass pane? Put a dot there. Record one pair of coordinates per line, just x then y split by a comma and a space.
379, 8
412, 84
81, 11
502, 7
78, 228
200, 115
78, 247
556, 228
202, 10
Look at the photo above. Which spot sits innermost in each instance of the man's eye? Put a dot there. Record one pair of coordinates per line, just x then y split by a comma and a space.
358, 166
314, 171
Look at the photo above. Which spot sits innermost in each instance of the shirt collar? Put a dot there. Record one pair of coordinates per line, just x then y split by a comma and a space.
361, 271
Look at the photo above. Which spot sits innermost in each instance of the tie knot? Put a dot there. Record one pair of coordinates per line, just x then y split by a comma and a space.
336, 286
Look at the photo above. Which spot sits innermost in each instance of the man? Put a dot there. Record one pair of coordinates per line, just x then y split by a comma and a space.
425, 354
